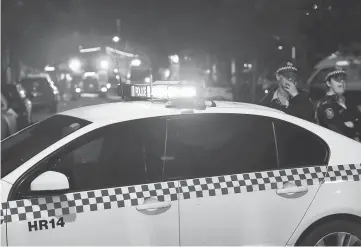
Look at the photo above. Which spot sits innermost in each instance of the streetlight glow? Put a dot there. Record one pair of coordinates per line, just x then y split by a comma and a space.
116, 39
174, 58
49, 68
280, 47
136, 62
90, 49
74, 64
104, 64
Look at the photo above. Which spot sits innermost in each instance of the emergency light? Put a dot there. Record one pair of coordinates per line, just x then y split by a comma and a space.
176, 94
165, 91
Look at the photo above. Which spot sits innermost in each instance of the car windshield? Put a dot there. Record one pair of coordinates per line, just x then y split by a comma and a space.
138, 74
90, 80
34, 84
22, 146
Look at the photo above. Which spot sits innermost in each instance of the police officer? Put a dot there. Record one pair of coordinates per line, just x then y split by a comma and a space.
287, 97
334, 111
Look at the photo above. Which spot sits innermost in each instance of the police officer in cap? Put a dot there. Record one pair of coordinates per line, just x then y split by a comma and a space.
333, 110
287, 97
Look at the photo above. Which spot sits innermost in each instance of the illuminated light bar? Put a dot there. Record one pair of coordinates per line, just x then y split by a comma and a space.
160, 91
108, 49
90, 49
164, 90
181, 92
167, 83
89, 74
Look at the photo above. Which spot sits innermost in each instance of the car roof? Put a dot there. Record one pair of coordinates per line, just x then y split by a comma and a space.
124, 111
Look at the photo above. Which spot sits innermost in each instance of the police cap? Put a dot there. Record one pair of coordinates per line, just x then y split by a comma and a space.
337, 73
287, 70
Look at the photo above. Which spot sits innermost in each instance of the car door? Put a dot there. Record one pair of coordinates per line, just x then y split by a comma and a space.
115, 194
233, 190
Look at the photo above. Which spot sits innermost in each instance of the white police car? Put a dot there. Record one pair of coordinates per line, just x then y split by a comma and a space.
140, 173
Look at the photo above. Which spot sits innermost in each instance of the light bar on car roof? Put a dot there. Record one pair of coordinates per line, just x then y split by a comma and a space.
165, 91
181, 91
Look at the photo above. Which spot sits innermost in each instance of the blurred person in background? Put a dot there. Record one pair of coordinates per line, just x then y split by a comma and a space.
334, 111
287, 97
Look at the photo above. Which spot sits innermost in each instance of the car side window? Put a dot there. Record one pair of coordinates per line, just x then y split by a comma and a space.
90, 152
298, 147
121, 154
218, 144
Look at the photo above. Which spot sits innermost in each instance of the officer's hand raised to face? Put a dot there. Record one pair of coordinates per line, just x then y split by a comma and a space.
291, 88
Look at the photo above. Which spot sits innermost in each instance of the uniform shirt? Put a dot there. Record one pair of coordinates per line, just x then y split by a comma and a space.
298, 106
334, 112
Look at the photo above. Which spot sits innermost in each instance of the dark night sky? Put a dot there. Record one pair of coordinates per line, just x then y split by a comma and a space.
196, 22
240, 27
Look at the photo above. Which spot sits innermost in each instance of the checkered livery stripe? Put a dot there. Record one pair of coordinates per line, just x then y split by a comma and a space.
250, 182
37, 208
30, 209
343, 173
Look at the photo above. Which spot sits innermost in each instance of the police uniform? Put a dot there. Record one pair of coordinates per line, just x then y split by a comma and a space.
299, 106
336, 113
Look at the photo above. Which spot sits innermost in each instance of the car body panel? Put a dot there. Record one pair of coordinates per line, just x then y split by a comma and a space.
136, 228
257, 210
333, 198
313, 205
122, 221
5, 188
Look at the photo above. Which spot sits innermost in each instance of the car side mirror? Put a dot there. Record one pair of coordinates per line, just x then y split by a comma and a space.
50, 181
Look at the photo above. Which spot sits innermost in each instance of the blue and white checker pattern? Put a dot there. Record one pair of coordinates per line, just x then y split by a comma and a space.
79, 202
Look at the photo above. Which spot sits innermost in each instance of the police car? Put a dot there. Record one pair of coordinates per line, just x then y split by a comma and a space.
148, 173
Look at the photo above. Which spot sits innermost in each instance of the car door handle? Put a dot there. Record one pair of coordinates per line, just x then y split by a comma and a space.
292, 191
152, 206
